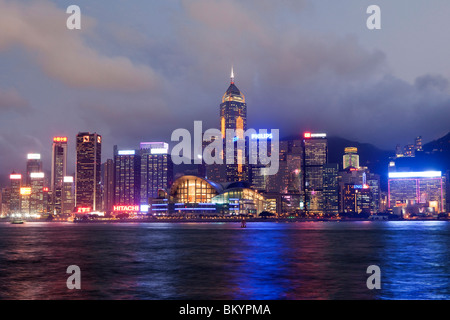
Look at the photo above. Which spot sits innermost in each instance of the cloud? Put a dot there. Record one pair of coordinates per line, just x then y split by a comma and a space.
40, 28
10, 100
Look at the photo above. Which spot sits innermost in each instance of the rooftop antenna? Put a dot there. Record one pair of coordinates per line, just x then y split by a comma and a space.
232, 75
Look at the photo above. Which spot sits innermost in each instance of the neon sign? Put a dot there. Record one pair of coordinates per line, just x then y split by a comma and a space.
84, 210
122, 208
308, 135
60, 139
262, 136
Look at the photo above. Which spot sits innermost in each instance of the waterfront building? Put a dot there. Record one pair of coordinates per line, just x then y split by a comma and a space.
233, 115
127, 175
14, 192
67, 196
192, 195
330, 203
58, 172
315, 151
108, 185
34, 164
88, 171
420, 193
156, 170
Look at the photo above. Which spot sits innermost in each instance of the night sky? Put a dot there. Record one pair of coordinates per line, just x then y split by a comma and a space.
137, 70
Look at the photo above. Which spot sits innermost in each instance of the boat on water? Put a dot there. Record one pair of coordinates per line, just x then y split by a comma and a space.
17, 221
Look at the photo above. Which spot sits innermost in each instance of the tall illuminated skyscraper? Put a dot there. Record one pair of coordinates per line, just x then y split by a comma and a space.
37, 193
67, 196
108, 182
156, 169
127, 177
14, 195
330, 202
233, 115
315, 151
59, 171
34, 164
88, 171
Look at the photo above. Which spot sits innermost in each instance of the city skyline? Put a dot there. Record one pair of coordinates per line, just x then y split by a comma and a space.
326, 72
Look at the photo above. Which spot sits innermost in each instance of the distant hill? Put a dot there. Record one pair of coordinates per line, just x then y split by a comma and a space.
438, 152
375, 159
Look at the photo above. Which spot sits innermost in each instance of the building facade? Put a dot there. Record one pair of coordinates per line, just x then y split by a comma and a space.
233, 115
156, 170
315, 151
127, 175
88, 171
58, 172
419, 193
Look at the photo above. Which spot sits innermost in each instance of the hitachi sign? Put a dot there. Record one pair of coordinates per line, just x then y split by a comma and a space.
126, 208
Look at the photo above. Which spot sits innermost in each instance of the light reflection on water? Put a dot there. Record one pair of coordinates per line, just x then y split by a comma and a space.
267, 260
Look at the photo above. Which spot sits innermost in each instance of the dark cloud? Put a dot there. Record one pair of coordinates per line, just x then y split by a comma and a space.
428, 81
39, 28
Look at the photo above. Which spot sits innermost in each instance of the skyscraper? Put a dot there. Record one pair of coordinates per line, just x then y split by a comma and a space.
37, 193
215, 171
88, 171
58, 171
233, 115
14, 193
108, 185
67, 196
5, 201
127, 177
351, 158
315, 151
156, 169
34, 164
330, 203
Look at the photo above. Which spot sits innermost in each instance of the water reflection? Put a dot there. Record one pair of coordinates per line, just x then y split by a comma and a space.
223, 261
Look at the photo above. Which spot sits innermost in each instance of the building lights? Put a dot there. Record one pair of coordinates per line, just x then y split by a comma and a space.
421, 174
123, 208
37, 175
33, 156
68, 179
308, 135
126, 152
60, 139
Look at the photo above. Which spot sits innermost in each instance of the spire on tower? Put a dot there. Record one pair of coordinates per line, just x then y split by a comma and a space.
232, 75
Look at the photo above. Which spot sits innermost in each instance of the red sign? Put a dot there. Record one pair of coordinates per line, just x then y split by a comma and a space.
60, 139
45, 189
307, 134
83, 210
126, 208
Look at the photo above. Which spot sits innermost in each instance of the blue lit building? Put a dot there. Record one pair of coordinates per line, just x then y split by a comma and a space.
193, 196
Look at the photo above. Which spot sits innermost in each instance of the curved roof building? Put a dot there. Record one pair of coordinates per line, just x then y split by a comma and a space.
195, 195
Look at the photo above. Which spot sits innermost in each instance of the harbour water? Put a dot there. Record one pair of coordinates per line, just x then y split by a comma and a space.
264, 261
